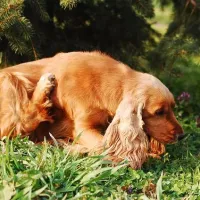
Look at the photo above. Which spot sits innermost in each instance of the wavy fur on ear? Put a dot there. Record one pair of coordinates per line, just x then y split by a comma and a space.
125, 138
156, 148
14, 87
23, 104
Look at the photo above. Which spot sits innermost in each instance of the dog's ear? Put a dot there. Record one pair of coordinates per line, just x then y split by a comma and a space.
125, 138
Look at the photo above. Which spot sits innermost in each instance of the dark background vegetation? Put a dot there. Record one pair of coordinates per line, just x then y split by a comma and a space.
125, 29
160, 37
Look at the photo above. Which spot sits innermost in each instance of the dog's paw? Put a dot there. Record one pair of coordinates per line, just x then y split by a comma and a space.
42, 96
47, 83
44, 89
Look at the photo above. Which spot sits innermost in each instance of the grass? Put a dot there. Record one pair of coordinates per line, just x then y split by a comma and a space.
30, 171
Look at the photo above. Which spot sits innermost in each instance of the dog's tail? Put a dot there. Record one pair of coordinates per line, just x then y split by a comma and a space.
15, 89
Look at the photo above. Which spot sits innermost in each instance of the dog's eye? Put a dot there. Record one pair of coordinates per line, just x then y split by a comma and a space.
160, 112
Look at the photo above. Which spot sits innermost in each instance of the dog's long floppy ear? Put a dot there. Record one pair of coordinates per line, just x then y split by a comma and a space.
125, 138
15, 89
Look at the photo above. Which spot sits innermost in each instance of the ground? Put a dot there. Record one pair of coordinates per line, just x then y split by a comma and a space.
49, 172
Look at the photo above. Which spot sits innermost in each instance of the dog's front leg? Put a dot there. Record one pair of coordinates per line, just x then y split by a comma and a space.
86, 135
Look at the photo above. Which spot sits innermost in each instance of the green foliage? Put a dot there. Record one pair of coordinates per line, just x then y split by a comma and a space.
144, 8
175, 59
173, 54
40, 8
118, 28
186, 18
173, 50
14, 27
183, 76
68, 3
30, 171
174, 62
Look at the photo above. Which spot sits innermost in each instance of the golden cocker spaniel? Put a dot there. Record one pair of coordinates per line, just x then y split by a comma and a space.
82, 94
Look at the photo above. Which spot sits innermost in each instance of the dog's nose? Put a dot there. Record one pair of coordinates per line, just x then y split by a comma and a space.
180, 136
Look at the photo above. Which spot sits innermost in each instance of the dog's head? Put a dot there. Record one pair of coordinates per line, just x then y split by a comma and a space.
158, 116
145, 111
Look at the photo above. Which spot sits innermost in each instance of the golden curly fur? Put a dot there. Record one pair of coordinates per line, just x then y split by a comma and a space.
92, 89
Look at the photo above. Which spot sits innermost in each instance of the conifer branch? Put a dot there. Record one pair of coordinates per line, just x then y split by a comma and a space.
34, 51
10, 7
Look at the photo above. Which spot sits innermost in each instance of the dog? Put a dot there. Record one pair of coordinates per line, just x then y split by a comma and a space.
93, 99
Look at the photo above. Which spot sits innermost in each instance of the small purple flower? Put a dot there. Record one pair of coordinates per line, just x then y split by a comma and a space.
129, 190
184, 96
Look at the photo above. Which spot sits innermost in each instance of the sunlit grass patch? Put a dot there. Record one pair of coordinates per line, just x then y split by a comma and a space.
30, 171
